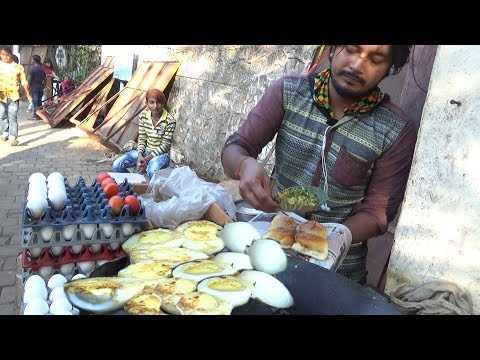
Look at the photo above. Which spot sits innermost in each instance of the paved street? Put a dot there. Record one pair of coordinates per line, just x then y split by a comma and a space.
65, 149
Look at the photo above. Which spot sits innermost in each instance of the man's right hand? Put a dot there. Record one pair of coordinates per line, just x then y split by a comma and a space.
255, 186
141, 164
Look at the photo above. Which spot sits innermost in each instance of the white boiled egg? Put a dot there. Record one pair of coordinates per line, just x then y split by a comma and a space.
67, 269
86, 266
76, 249
202, 269
36, 206
95, 248
56, 250
146, 271
238, 235
107, 229
36, 307
57, 293
88, 230
37, 177
35, 293
46, 233
200, 303
237, 260
267, 255
58, 199
268, 289
46, 271
200, 235
68, 231
35, 252
114, 245
79, 276
232, 289
127, 229
60, 305
34, 281
56, 280
55, 176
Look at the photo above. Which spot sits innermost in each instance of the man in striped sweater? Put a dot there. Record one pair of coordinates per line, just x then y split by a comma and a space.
335, 130
155, 134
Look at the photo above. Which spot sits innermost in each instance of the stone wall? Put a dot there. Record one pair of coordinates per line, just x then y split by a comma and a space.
214, 89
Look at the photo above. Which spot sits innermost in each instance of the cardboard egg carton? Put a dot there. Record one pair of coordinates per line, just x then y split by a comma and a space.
46, 258
84, 204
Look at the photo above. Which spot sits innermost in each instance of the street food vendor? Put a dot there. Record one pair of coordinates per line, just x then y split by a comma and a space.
155, 133
338, 131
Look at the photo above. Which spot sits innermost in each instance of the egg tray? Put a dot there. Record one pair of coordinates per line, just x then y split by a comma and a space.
85, 205
32, 237
66, 257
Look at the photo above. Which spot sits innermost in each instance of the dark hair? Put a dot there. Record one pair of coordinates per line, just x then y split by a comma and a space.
15, 58
37, 59
7, 49
400, 56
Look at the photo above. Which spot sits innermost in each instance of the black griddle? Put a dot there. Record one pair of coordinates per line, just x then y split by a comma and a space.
315, 290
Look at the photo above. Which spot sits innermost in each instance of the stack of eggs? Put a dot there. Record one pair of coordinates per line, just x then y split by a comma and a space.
47, 299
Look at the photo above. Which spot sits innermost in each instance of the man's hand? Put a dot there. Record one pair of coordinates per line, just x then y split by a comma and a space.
141, 164
255, 186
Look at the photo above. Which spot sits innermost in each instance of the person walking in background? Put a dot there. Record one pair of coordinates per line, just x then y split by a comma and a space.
36, 81
49, 76
155, 133
11, 76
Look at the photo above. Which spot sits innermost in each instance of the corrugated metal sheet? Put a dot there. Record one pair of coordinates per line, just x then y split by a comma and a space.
94, 82
121, 123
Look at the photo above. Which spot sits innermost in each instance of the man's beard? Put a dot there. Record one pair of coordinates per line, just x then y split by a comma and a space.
345, 92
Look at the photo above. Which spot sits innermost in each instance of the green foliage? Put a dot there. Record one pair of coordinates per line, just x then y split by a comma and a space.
82, 59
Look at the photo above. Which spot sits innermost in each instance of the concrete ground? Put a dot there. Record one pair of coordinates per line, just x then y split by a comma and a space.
65, 149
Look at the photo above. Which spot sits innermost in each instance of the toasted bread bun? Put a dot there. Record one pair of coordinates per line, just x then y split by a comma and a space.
312, 236
282, 229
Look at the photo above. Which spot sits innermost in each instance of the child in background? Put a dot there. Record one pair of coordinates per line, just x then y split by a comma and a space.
66, 86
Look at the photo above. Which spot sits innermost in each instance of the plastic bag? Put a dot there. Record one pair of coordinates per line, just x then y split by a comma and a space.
178, 195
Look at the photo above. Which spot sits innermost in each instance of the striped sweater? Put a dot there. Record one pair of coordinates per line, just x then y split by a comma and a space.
156, 138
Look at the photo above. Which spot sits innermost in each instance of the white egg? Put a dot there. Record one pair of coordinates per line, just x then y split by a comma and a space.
67, 269
68, 231
76, 249
268, 289
61, 312
86, 266
237, 260
37, 176
54, 175
75, 311
46, 271
46, 233
34, 293
107, 229
58, 199
88, 230
56, 280
35, 252
114, 245
95, 248
199, 270
238, 235
34, 281
60, 305
37, 188
36, 206
127, 229
268, 256
232, 289
36, 307
78, 276
57, 293
56, 250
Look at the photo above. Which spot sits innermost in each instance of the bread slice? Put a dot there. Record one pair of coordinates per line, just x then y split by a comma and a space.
312, 240
282, 229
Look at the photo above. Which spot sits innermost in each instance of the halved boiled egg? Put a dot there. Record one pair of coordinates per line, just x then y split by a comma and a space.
238, 261
268, 289
202, 269
169, 256
238, 235
197, 303
175, 286
201, 235
232, 289
144, 304
146, 271
152, 239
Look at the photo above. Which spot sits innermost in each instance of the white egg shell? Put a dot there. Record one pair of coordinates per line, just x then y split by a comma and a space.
267, 255
61, 312
36, 206
127, 229
229, 288
202, 269
88, 230
67, 269
79, 276
238, 235
76, 249
58, 199
46, 233
56, 250
35, 252
114, 245
95, 248
34, 281
36, 307
37, 177
34, 293
107, 229
268, 289
46, 271
57, 293
55, 175
56, 280
68, 231
237, 260
60, 305
86, 266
